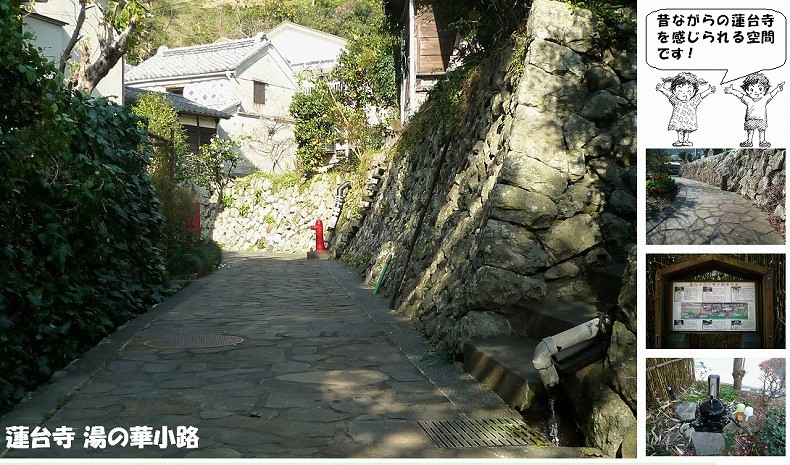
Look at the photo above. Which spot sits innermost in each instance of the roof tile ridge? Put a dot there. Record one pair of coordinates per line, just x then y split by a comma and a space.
215, 46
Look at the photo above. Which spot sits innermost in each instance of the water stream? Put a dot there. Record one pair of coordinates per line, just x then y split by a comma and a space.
554, 427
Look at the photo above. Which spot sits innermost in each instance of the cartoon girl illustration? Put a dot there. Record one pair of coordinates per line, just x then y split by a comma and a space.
685, 96
755, 96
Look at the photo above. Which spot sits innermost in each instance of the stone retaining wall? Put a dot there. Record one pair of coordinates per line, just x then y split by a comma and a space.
757, 174
535, 191
260, 213
540, 188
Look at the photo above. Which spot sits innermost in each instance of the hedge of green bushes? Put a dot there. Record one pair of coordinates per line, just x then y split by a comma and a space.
79, 227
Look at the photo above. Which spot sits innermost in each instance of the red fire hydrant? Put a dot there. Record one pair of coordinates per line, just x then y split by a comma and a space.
318, 227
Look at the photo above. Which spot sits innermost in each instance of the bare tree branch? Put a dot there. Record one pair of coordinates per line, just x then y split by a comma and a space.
75, 37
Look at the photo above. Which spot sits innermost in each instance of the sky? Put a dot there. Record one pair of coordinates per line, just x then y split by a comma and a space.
723, 368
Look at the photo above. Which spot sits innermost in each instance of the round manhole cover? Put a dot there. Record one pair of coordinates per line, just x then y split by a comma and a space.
194, 341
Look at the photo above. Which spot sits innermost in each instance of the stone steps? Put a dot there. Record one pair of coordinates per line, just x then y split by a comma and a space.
504, 364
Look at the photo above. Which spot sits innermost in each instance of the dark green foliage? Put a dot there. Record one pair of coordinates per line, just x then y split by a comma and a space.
176, 206
616, 22
367, 71
773, 432
446, 107
315, 125
24, 82
656, 161
660, 184
196, 258
366, 76
79, 229
209, 168
161, 119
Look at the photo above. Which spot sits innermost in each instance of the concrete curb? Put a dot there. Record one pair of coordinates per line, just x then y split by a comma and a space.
658, 218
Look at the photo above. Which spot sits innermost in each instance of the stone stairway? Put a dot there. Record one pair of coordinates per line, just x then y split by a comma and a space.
504, 364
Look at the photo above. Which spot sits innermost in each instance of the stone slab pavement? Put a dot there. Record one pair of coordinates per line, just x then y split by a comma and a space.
704, 214
324, 370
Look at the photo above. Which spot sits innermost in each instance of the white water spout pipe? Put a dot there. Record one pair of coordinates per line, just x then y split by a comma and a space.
340, 199
552, 345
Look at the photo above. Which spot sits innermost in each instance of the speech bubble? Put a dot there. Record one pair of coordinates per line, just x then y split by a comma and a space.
738, 41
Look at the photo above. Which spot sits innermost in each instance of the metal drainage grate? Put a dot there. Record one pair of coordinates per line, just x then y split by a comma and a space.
482, 433
194, 341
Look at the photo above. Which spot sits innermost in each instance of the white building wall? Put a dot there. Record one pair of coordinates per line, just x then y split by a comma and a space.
50, 38
280, 86
300, 46
53, 43
264, 131
266, 144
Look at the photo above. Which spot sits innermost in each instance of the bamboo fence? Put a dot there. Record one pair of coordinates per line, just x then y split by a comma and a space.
663, 372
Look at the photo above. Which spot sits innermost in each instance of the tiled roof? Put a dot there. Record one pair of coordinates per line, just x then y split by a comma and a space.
180, 103
197, 60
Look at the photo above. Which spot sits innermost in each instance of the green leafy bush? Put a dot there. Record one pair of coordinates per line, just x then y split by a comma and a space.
198, 258
366, 68
314, 127
366, 74
161, 119
177, 207
210, 168
656, 161
773, 431
660, 184
79, 242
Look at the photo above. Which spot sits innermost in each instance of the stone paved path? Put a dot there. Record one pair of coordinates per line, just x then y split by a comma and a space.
704, 214
324, 371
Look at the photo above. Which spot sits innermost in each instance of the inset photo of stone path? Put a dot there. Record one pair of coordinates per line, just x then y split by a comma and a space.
715, 196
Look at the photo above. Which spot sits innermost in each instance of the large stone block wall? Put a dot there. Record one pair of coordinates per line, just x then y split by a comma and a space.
536, 190
757, 174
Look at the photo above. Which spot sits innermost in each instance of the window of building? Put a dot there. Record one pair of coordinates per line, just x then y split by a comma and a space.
259, 92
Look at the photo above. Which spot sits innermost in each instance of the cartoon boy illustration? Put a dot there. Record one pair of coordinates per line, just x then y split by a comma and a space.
685, 96
755, 96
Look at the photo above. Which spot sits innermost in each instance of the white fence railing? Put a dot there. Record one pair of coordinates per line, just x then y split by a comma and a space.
307, 87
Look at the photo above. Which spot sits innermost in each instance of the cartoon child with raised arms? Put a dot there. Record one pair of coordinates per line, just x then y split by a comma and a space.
685, 96
755, 96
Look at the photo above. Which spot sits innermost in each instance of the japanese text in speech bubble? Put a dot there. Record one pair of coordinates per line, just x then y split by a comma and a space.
739, 41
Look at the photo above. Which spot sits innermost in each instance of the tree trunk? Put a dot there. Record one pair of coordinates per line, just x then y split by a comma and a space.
112, 44
737, 373
111, 52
